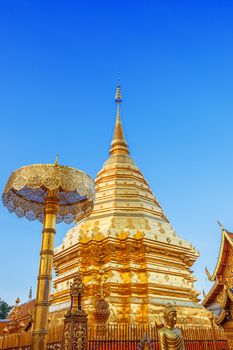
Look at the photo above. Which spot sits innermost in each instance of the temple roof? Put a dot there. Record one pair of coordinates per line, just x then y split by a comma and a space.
220, 273
23, 310
226, 244
210, 297
21, 313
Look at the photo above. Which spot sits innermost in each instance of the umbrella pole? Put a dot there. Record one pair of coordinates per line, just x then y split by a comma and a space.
40, 325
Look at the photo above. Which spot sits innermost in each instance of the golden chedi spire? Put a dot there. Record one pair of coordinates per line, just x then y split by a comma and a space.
119, 144
145, 263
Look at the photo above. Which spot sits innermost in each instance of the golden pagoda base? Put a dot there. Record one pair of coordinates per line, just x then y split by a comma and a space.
188, 316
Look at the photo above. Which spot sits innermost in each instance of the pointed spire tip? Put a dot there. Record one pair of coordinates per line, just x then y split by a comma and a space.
119, 144
118, 97
56, 160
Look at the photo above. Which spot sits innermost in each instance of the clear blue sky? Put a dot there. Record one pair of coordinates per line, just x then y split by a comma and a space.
59, 66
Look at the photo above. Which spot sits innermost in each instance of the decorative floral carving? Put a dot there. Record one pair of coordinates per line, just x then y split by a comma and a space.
222, 298
56, 346
218, 320
102, 311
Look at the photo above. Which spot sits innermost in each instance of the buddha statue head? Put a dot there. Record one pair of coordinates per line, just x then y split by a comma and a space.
170, 315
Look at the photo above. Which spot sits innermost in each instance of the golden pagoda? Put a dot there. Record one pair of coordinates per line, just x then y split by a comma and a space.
126, 251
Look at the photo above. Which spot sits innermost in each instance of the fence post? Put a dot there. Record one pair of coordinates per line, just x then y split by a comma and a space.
5, 332
21, 327
75, 324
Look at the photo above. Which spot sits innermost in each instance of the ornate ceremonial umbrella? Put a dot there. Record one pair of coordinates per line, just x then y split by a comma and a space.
50, 193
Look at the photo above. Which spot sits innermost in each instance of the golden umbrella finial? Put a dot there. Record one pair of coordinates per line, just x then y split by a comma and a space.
50, 194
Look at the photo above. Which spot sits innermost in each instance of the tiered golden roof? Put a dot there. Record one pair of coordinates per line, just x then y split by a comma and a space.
128, 237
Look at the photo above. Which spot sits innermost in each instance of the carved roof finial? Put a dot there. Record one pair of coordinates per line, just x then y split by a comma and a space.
209, 276
30, 294
220, 225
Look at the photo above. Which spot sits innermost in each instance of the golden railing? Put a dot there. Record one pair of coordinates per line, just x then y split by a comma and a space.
23, 340
127, 337
123, 337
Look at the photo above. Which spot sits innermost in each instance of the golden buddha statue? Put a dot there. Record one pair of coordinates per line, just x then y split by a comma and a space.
170, 338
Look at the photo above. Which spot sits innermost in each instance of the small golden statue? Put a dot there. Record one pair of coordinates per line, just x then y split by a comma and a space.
170, 338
